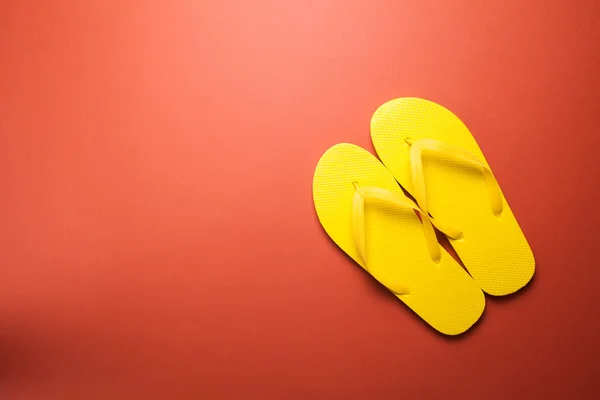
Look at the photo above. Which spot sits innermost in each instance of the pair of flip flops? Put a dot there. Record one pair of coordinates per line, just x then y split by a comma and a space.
429, 151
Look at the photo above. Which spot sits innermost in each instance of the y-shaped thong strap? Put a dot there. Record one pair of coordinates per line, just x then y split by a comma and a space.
402, 203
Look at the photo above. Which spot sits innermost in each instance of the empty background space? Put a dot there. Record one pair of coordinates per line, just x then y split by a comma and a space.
157, 232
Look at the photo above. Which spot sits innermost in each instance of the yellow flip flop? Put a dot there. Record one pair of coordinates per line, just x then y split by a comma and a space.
432, 154
365, 212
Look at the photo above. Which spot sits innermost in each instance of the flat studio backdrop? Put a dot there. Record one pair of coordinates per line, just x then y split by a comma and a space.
158, 237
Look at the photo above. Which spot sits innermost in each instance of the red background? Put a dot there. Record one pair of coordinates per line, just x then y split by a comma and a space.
157, 232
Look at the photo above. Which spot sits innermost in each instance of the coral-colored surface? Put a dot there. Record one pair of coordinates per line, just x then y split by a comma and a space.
157, 232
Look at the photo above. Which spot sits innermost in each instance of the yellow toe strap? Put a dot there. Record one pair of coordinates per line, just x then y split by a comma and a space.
441, 150
402, 203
